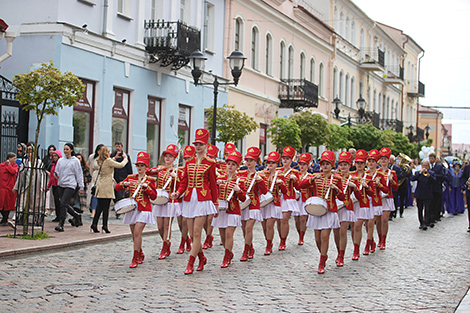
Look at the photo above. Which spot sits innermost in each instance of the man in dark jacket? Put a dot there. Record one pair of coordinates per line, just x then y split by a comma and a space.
465, 177
120, 173
424, 194
440, 176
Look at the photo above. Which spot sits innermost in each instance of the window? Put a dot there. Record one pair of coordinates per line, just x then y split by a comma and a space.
394, 112
341, 84
238, 34
209, 15
83, 120
290, 70
153, 129
368, 98
341, 23
312, 70
335, 83
347, 32
120, 114
184, 124
262, 139
302, 65
336, 19
353, 32
185, 11
353, 92
282, 56
269, 55
321, 80
361, 89
363, 44
347, 99
124, 7
379, 104
254, 48
375, 101
388, 108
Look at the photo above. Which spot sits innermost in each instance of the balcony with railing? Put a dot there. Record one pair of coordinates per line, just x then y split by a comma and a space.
298, 93
417, 90
373, 59
170, 43
395, 75
392, 124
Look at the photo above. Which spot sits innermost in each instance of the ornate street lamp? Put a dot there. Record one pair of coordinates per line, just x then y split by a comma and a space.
361, 103
410, 134
427, 128
337, 101
236, 63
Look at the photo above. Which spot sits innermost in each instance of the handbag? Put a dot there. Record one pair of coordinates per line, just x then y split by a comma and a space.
93, 189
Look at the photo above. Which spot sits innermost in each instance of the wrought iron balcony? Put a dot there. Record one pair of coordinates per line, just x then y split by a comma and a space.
374, 60
417, 90
393, 124
171, 43
370, 117
395, 76
420, 134
297, 93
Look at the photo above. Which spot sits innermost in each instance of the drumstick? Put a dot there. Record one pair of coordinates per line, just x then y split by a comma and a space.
252, 183
329, 188
174, 190
347, 182
138, 187
168, 182
233, 190
388, 176
362, 180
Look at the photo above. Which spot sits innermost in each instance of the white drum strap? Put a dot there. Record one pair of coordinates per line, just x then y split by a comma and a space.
252, 183
138, 187
233, 190
329, 188
274, 182
347, 182
388, 177
362, 180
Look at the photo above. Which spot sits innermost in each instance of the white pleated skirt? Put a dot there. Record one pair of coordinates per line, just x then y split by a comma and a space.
165, 210
136, 216
388, 204
271, 211
377, 210
194, 208
301, 210
328, 221
363, 213
254, 214
225, 220
346, 215
290, 205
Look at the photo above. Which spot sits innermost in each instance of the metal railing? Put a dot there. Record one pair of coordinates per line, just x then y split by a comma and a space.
295, 93
374, 55
393, 124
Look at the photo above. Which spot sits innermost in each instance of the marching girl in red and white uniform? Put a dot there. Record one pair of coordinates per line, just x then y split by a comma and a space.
302, 215
254, 186
165, 176
230, 193
272, 211
142, 215
380, 185
346, 214
362, 208
326, 186
388, 203
288, 200
212, 153
199, 185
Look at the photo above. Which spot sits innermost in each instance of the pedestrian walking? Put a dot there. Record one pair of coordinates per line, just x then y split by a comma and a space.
8, 173
455, 203
440, 174
47, 161
52, 184
301, 216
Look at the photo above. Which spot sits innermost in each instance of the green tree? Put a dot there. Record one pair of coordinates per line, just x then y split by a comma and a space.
231, 125
338, 138
402, 144
45, 91
314, 129
284, 132
365, 136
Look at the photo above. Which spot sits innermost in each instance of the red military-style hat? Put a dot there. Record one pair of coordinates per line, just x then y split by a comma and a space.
212, 151
345, 156
328, 156
202, 136
171, 149
189, 152
374, 154
305, 158
143, 158
385, 152
253, 153
274, 157
234, 156
229, 147
362, 156
288, 152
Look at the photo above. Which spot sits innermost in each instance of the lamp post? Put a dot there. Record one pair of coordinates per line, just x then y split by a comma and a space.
337, 101
236, 62
427, 128
410, 134
361, 104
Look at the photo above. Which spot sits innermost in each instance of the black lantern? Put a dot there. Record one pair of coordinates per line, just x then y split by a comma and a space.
197, 60
337, 102
236, 62
427, 128
361, 103
410, 134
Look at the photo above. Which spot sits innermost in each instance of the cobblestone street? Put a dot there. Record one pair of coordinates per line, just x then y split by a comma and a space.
420, 271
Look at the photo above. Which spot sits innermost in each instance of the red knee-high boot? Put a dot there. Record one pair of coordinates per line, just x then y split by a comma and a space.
163, 252
340, 258
190, 266
227, 258
301, 237
202, 261
367, 247
384, 237
269, 247
356, 252
321, 266
245, 253
134, 259
251, 253
181, 247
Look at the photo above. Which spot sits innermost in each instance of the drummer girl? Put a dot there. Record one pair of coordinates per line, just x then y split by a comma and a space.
142, 215
255, 186
211, 153
376, 199
288, 201
388, 204
230, 194
199, 185
302, 215
326, 186
165, 176
346, 213
362, 207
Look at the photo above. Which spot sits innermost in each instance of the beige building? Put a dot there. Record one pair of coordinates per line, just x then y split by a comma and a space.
430, 126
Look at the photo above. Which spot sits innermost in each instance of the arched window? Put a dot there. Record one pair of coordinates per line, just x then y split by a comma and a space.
341, 85
353, 91
254, 48
394, 113
353, 32
341, 23
269, 55
321, 80
408, 70
388, 108
335, 83
238, 34
347, 31
361, 90
290, 70
368, 98
282, 57
312, 70
347, 99
363, 44
302, 65
336, 19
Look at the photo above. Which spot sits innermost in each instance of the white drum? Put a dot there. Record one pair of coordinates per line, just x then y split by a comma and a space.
266, 199
297, 194
383, 194
353, 198
339, 204
125, 205
316, 206
223, 205
245, 204
162, 197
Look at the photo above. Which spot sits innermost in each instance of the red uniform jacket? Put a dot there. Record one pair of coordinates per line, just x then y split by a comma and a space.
8, 175
349, 190
221, 168
305, 192
201, 176
226, 187
162, 178
144, 195
362, 194
290, 193
268, 178
377, 188
259, 188
319, 188
393, 185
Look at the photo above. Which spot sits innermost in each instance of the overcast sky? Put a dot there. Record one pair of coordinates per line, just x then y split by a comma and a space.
442, 29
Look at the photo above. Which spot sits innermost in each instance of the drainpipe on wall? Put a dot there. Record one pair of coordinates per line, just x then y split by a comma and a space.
9, 37
417, 100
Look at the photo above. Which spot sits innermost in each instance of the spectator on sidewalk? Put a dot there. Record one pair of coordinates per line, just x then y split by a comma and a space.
79, 201
424, 195
120, 173
20, 153
8, 173
47, 161
94, 169
52, 184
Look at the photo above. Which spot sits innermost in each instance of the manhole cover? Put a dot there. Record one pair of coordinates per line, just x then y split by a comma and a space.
70, 287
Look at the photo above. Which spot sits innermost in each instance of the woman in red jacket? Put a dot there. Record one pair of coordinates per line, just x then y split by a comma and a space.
199, 186
302, 215
142, 188
8, 173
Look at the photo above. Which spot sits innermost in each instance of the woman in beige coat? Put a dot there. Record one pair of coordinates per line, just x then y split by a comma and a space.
105, 187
